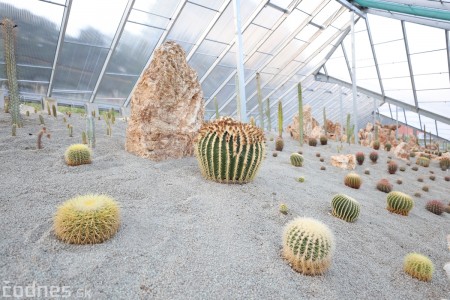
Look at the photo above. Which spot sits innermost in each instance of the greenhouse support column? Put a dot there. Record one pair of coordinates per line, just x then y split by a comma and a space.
341, 106
374, 110
355, 110
240, 60
396, 118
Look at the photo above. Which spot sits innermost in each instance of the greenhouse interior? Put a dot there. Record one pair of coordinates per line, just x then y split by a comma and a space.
225, 149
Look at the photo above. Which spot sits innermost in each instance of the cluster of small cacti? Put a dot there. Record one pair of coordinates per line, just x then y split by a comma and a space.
444, 163
308, 246
312, 142
345, 207
88, 219
296, 160
323, 140
392, 167
418, 266
240, 147
399, 203
423, 161
388, 146
373, 156
77, 154
360, 157
384, 186
353, 180
435, 206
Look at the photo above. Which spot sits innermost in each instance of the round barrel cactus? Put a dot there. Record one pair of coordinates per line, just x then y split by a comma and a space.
373, 156
384, 186
323, 140
345, 207
229, 151
78, 154
399, 203
423, 161
392, 167
376, 145
388, 146
312, 142
418, 266
296, 160
435, 206
279, 144
353, 180
360, 157
444, 163
308, 245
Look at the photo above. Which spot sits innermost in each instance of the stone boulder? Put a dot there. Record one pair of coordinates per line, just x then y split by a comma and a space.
311, 128
402, 151
346, 162
167, 107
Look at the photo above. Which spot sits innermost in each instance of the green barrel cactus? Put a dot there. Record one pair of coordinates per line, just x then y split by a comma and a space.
444, 163
78, 154
296, 160
423, 161
345, 207
353, 180
229, 151
399, 203
418, 266
308, 245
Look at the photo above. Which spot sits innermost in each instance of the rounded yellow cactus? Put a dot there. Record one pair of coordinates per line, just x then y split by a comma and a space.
87, 219
78, 154
418, 266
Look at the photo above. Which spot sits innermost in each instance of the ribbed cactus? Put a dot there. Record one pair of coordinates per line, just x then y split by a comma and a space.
435, 206
312, 142
392, 167
345, 207
308, 245
229, 151
90, 131
444, 163
260, 101
323, 140
269, 121
399, 203
296, 160
423, 161
388, 146
373, 156
384, 186
84, 138
376, 132
360, 157
9, 42
279, 144
376, 145
300, 113
77, 154
87, 219
353, 180
280, 119
418, 266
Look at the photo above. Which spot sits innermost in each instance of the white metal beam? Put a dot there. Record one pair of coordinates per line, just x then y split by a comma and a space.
240, 61
352, 8
62, 34
354, 92
374, 54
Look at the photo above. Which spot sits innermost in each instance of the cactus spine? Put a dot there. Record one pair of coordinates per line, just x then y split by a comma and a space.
11, 71
399, 203
269, 125
300, 113
216, 105
345, 207
90, 130
260, 101
229, 151
77, 154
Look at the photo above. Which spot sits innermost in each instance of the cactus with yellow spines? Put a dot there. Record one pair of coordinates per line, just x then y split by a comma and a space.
88, 219
353, 180
229, 151
423, 161
444, 163
308, 245
296, 160
78, 154
418, 266
345, 207
399, 203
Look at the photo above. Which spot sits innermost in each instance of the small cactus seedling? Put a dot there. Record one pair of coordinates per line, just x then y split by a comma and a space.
373, 156
435, 206
399, 203
376, 145
384, 186
392, 167
414, 168
279, 144
88, 219
402, 169
301, 179
444, 163
39, 137
312, 142
275, 154
13, 129
317, 154
360, 157
418, 266
323, 168
70, 128
283, 209
321, 159
420, 179
423, 161
432, 177
308, 245
367, 171
387, 146
399, 181
353, 180
323, 140
425, 188
27, 113
296, 160
345, 207
78, 154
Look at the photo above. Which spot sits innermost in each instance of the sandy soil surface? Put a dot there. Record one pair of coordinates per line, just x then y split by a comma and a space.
183, 237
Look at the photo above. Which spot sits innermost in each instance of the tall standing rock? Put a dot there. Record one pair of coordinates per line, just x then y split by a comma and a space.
167, 107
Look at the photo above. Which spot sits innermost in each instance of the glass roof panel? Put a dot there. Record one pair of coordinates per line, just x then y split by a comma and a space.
337, 67
148, 19
252, 36
223, 30
267, 17
164, 9
217, 76
308, 6
432, 81
115, 88
327, 13
212, 4
424, 38
384, 29
429, 62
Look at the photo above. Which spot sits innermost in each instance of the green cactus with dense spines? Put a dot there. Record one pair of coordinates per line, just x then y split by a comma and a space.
90, 131
88, 219
360, 157
435, 206
345, 207
399, 203
9, 43
388, 146
300, 113
444, 163
229, 151
384, 186
423, 161
308, 245
353, 180
296, 160
418, 266
78, 154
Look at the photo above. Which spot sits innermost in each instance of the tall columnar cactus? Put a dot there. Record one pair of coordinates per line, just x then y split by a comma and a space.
90, 131
229, 151
424, 136
345, 207
353, 180
399, 203
269, 121
238, 98
308, 245
87, 219
78, 154
54, 112
300, 113
325, 124
260, 101
216, 105
296, 160
348, 129
280, 119
418, 266
40, 135
9, 41
376, 132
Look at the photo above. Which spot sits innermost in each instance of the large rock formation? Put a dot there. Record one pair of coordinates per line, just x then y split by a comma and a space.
346, 162
167, 107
